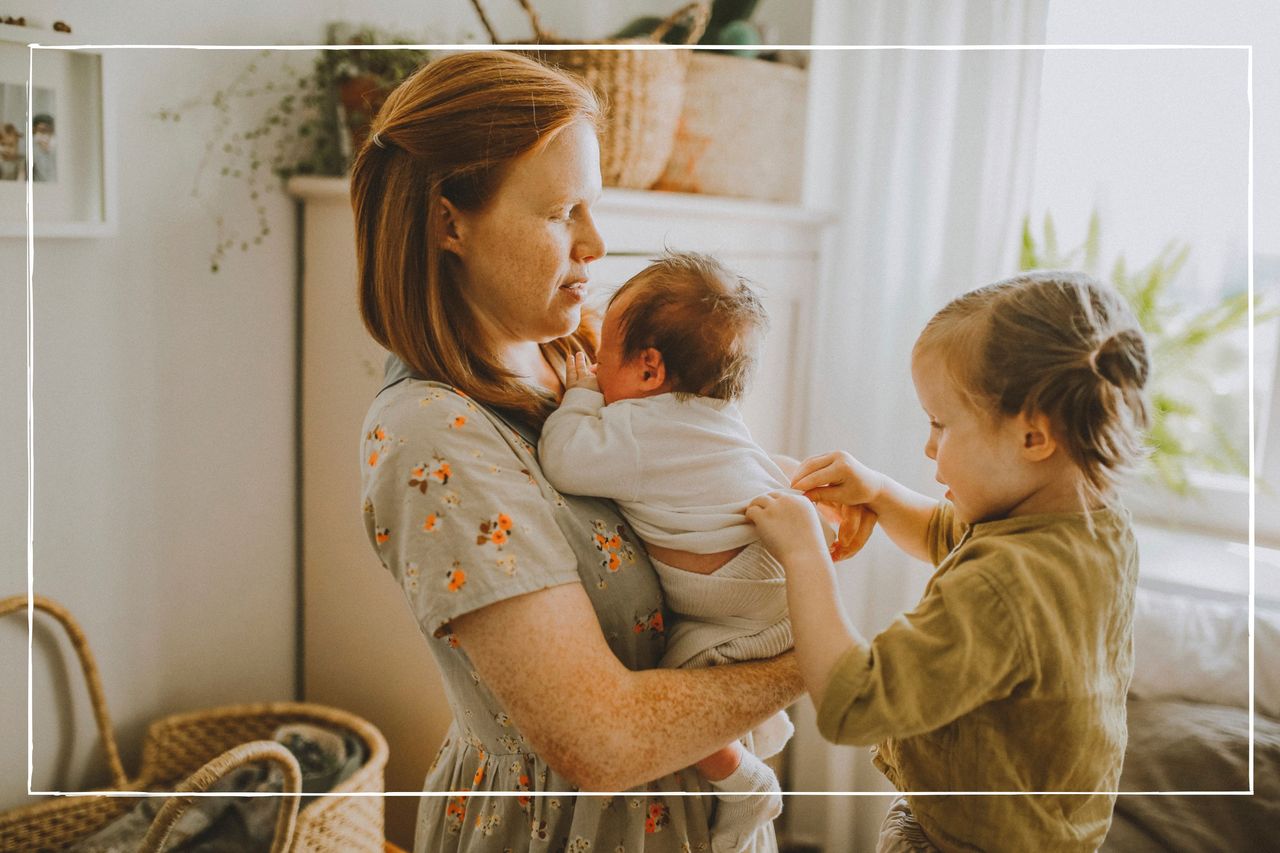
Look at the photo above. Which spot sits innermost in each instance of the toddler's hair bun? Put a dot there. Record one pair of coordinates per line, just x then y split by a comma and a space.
1121, 359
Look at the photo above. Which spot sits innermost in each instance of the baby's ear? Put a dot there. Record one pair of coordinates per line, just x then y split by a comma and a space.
653, 371
1036, 431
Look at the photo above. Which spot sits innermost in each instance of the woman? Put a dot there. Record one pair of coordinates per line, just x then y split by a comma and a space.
474, 236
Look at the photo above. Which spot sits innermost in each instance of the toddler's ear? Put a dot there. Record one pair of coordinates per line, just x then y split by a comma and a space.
1038, 442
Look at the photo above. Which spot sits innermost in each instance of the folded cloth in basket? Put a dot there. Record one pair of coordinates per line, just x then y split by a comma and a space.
234, 824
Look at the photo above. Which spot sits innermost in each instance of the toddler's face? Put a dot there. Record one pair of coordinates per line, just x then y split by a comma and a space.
978, 456
618, 380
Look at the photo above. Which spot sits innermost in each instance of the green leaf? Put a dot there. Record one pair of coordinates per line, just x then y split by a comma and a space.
1092, 243
1027, 259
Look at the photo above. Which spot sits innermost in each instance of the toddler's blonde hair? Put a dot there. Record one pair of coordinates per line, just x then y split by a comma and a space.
1059, 343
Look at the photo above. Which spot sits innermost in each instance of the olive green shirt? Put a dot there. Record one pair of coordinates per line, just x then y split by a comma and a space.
1009, 675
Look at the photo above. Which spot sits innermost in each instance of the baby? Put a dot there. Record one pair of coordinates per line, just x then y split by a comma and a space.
655, 427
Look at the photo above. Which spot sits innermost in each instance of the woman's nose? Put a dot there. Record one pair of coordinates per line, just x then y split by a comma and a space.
590, 244
931, 449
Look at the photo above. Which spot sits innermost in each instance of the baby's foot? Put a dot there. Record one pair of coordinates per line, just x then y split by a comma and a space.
748, 799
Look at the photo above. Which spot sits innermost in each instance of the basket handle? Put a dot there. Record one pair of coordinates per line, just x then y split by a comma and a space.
93, 681
699, 14
540, 35
203, 779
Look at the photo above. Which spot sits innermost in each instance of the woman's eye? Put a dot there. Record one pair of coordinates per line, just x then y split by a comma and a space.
934, 424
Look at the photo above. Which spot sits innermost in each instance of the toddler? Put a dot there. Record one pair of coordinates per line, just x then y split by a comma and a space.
655, 427
1011, 673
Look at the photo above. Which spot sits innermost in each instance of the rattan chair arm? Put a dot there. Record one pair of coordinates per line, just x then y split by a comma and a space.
203, 779
89, 666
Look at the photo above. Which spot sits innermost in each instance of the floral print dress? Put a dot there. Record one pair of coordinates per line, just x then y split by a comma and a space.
460, 514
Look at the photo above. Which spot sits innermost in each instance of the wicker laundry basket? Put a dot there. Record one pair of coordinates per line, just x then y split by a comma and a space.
184, 752
643, 91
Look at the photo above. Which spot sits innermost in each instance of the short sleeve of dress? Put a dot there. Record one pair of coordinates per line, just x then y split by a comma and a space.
451, 506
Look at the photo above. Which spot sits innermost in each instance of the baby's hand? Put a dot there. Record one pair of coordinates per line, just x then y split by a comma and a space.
580, 373
788, 525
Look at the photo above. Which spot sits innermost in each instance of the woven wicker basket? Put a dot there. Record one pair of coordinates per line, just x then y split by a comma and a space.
642, 89
742, 130
186, 752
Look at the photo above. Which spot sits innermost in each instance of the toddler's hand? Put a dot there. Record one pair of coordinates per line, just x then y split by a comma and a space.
855, 526
788, 525
841, 486
580, 373
837, 478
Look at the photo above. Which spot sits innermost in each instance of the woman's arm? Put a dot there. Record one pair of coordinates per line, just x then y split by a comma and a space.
600, 725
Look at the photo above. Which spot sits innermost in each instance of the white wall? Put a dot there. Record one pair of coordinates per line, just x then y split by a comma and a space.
164, 402
164, 394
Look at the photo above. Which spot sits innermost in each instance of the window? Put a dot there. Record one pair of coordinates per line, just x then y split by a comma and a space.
1156, 143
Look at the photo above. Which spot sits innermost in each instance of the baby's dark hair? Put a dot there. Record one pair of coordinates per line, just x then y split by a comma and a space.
1057, 343
703, 318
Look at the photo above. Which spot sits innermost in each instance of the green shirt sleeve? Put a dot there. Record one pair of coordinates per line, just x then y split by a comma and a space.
944, 532
961, 647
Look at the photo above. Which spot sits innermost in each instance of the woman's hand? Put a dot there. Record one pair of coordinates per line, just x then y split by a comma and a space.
579, 372
788, 525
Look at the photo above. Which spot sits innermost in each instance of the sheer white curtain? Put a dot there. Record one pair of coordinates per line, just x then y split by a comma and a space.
926, 157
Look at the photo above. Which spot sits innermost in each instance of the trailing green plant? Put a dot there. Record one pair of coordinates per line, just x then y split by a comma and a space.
300, 125
1179, 337
729, 24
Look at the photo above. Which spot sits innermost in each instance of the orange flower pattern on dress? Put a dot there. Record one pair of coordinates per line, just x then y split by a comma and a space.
376, 441
497, 530
650, 622
612, 545
522, 784
454, 813
421, 474
455, 578
657, 818
401, 497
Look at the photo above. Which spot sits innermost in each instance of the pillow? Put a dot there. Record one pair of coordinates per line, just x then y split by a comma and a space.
1183, 746
1187, 648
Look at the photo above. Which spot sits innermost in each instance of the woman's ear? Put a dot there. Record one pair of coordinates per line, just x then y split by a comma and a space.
450, 227
1036, 430
653, 372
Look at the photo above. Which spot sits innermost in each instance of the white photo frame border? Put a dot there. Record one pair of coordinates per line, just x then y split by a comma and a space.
82, 202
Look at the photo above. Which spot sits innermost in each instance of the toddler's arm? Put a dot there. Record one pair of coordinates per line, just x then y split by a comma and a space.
839, 478
790, 528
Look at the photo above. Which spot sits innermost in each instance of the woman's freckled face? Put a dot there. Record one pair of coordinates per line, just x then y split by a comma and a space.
525, 254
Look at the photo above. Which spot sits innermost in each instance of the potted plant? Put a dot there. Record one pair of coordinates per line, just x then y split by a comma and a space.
309, 119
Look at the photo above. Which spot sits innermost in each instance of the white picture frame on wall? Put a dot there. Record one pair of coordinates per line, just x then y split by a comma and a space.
64, 147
